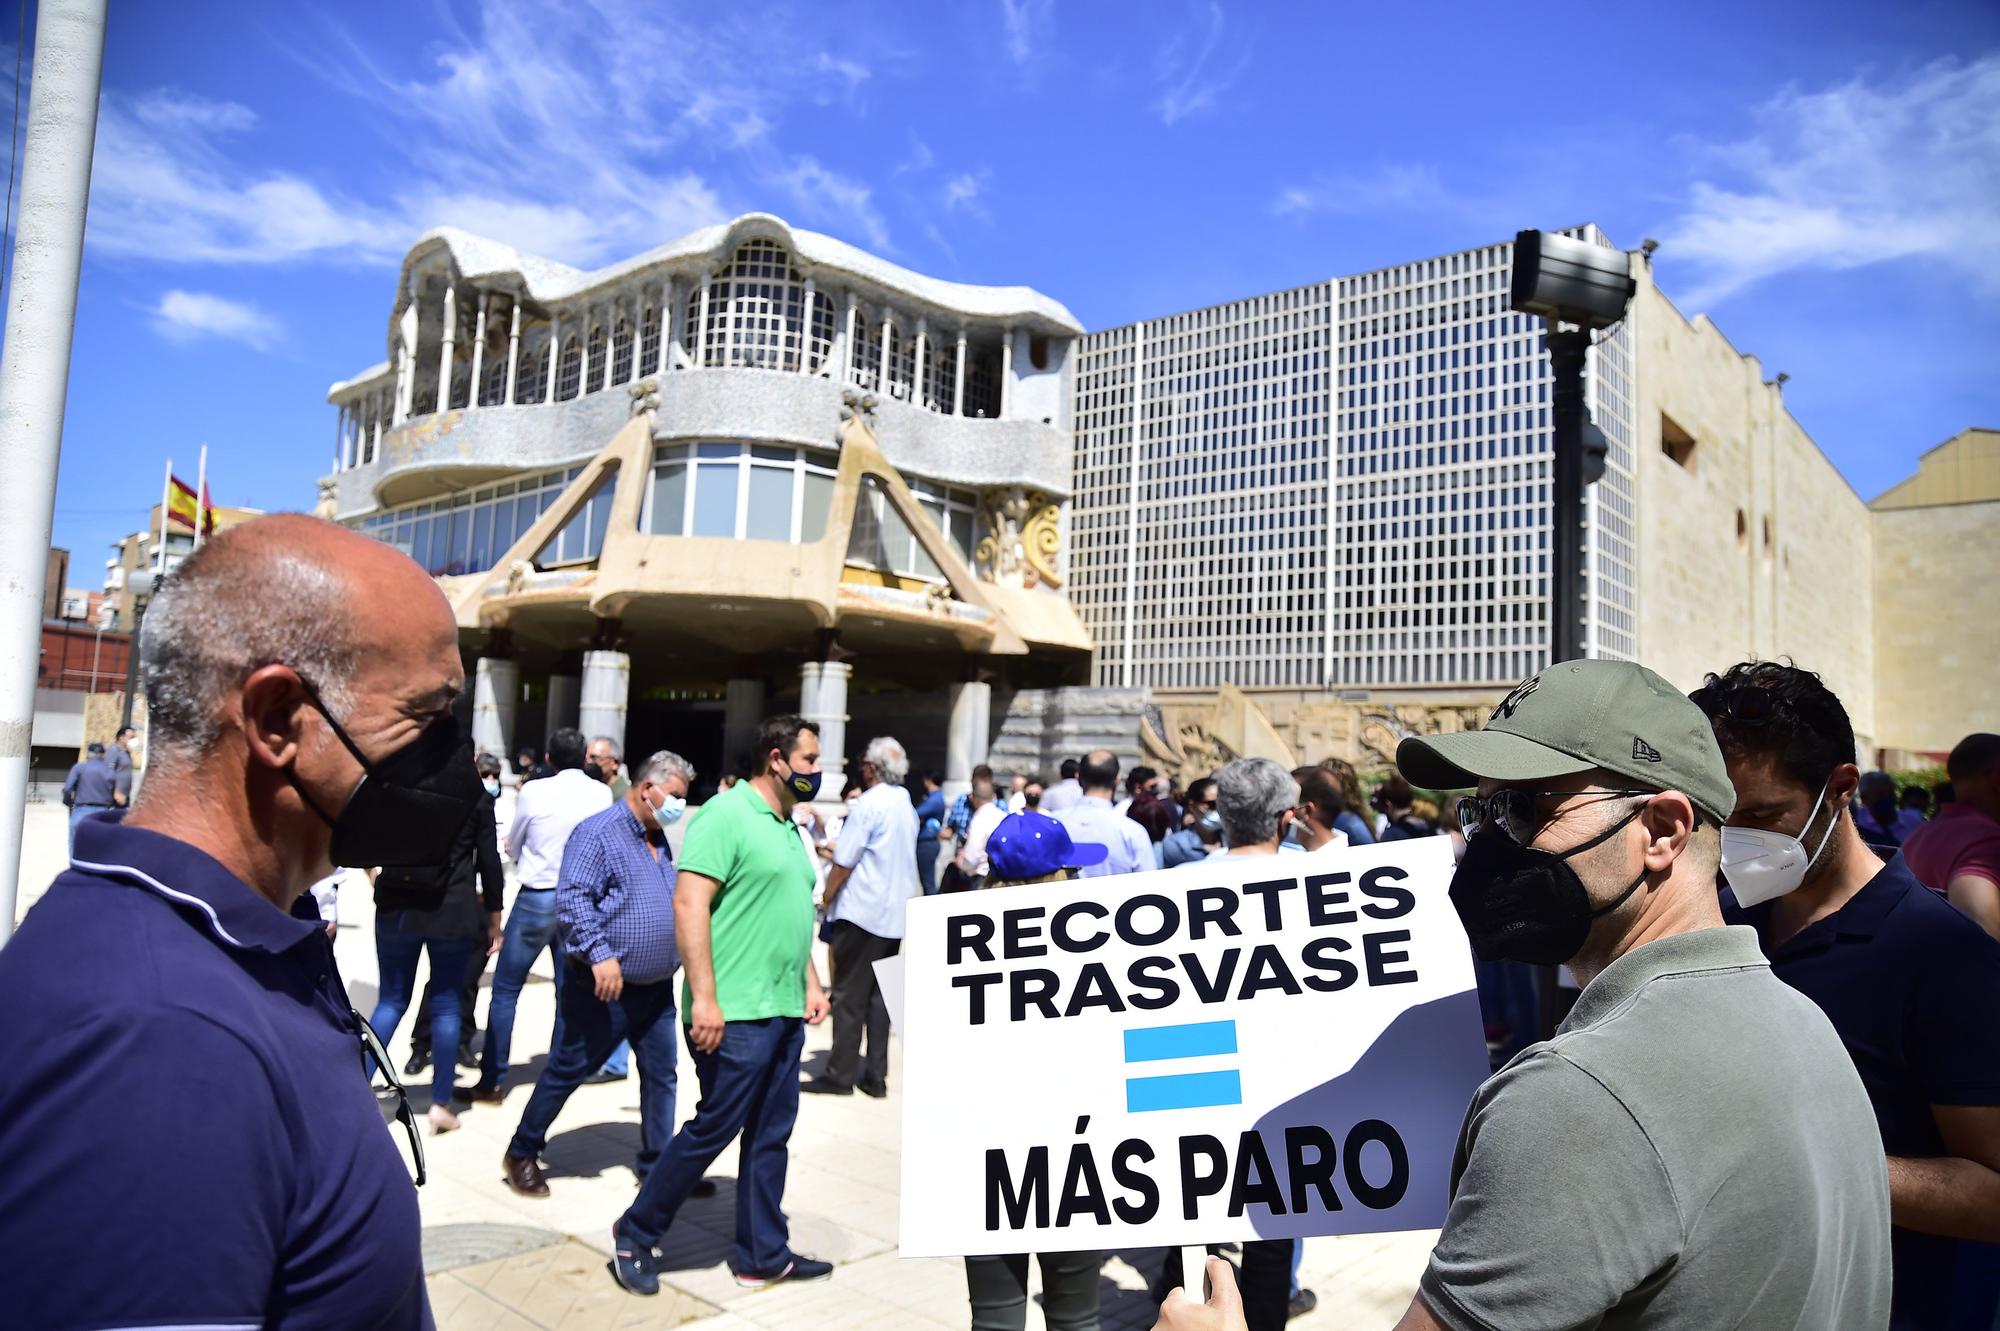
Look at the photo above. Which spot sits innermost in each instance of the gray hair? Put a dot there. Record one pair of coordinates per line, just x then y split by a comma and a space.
662, 765
888, 758
1252, 795
617, 753
219, 617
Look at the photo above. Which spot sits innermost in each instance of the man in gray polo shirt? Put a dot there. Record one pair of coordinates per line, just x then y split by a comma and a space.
1693, 1148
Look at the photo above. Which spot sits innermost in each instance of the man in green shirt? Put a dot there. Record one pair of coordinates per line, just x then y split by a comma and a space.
743, 919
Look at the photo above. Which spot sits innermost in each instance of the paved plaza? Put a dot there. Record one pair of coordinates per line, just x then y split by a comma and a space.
500, 1262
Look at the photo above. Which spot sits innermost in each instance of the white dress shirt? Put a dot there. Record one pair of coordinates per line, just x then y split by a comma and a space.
545, 813
878, 846
972, 855
1093, 820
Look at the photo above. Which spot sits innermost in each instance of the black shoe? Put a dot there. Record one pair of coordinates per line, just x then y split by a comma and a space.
468, 1059
821, 1086
875, 1092
633, 1267
703, 1188
418, 1062
1302, 1303
798, 1271
603, 1075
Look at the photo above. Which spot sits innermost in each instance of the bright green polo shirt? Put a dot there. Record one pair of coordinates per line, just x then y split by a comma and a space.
761, 924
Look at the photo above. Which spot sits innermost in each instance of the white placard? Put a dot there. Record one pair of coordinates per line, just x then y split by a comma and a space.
1254, 1047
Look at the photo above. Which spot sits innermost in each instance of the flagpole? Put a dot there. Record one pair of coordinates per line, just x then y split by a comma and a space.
201, 496
166, 498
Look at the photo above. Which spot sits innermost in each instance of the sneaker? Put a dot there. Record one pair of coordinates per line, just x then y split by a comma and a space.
1302, 1303
798, 1271
633, 1266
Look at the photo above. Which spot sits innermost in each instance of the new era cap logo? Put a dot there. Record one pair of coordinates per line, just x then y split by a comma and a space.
1512, 702
1643, 752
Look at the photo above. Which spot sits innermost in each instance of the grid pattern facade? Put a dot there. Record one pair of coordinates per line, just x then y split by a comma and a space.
1343, 486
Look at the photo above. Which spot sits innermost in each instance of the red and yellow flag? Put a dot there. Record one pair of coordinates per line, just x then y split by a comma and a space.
182, 506
207, 512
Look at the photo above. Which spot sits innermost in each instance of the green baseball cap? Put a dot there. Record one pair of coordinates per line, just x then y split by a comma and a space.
1579, 715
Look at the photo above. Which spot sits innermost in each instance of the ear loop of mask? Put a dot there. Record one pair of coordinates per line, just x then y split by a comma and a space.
1825, 839
1599, 840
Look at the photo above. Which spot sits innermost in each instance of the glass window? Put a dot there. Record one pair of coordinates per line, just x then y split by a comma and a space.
715, 498
818, 499
768, 515
669, 498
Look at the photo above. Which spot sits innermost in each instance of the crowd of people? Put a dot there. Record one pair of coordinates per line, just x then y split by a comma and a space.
1768, 1096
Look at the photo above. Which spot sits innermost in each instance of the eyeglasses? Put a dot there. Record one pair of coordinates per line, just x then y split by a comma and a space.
371, 1048
1512, 810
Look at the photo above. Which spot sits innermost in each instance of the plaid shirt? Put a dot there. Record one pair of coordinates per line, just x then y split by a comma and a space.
613, 899
960, 817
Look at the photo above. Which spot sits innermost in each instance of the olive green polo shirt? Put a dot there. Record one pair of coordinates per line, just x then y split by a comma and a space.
1692, 1149
761, 922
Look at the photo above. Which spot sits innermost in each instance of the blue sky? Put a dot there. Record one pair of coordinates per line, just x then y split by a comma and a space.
1824, 179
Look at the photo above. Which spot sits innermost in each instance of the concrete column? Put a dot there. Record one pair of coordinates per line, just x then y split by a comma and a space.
446, 350
496, 690
583, 355
565, 691
402, 397
888, 332
700, 356
513, 350
809, 677
965, 743
478, 352
607, 679
958, 379
917, 365
1007, 377
829, 711
843, 351
806, 329
742, 713
555, 357
375, 448
669, 293
638, 337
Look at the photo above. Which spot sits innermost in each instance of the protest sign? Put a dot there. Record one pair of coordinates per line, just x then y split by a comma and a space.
1252, 1047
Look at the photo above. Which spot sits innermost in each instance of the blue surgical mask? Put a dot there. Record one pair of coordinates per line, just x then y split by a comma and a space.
493, 788
670, 809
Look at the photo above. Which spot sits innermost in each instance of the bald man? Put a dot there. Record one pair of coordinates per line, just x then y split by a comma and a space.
187, 1122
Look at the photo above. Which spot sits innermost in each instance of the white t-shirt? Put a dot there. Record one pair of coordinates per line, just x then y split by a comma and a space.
972, 855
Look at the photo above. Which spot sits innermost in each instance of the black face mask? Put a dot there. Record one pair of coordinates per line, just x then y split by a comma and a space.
1520, 903
410, 805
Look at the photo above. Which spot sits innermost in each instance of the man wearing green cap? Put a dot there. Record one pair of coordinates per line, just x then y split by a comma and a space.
1693, 1148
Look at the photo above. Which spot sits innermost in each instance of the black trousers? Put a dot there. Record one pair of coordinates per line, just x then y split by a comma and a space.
858, 1008
998, 1289
468, 994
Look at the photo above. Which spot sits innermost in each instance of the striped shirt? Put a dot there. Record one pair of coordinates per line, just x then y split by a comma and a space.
613, 899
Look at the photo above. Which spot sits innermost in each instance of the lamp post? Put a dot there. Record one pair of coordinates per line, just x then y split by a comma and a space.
140, 584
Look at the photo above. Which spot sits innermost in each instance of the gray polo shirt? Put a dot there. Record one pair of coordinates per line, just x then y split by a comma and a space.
1692, 1149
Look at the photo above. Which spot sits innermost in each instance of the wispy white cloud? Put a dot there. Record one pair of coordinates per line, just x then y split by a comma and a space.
1196, 65
189, 316
849, 72
965, 192
818, 190
1865, 172
1389, 189
1026, 23
920, 158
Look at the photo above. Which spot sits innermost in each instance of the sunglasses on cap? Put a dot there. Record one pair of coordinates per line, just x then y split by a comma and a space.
1512, 810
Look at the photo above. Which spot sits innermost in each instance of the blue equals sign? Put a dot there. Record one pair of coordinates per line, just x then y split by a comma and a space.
1181, 1090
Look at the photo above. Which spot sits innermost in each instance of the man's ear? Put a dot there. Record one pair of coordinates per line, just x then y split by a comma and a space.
273, 704
1669, 820
1842, 786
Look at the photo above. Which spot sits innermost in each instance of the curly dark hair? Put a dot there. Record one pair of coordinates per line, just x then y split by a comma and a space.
1776, 709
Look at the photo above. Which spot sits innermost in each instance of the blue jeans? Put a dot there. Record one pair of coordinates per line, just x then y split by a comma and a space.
396, 953
927, 858
77, 813
531, 926
587, 1030
619, 1062
750, 1084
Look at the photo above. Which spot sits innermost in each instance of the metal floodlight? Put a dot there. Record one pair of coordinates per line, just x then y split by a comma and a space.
1571, 280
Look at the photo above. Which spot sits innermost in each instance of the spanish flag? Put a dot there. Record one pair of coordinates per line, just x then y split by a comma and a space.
207, 512
182, 506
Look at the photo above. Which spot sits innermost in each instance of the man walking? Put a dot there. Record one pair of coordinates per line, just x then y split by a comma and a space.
189, 1133
743, 918
615, 901
1911, 985
545, 813
90, 788
873, 877
1694, 1147
121, 762
1093, 820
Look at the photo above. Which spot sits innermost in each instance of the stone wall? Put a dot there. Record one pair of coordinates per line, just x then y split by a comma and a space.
1937, 636
1751, 544
1038, 728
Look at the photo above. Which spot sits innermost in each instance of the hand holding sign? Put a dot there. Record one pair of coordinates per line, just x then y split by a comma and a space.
1222, 1312
1254, 1047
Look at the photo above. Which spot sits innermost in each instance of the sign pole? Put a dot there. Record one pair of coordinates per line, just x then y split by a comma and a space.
34, 375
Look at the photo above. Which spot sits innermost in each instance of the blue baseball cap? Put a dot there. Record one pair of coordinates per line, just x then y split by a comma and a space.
1033, 845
